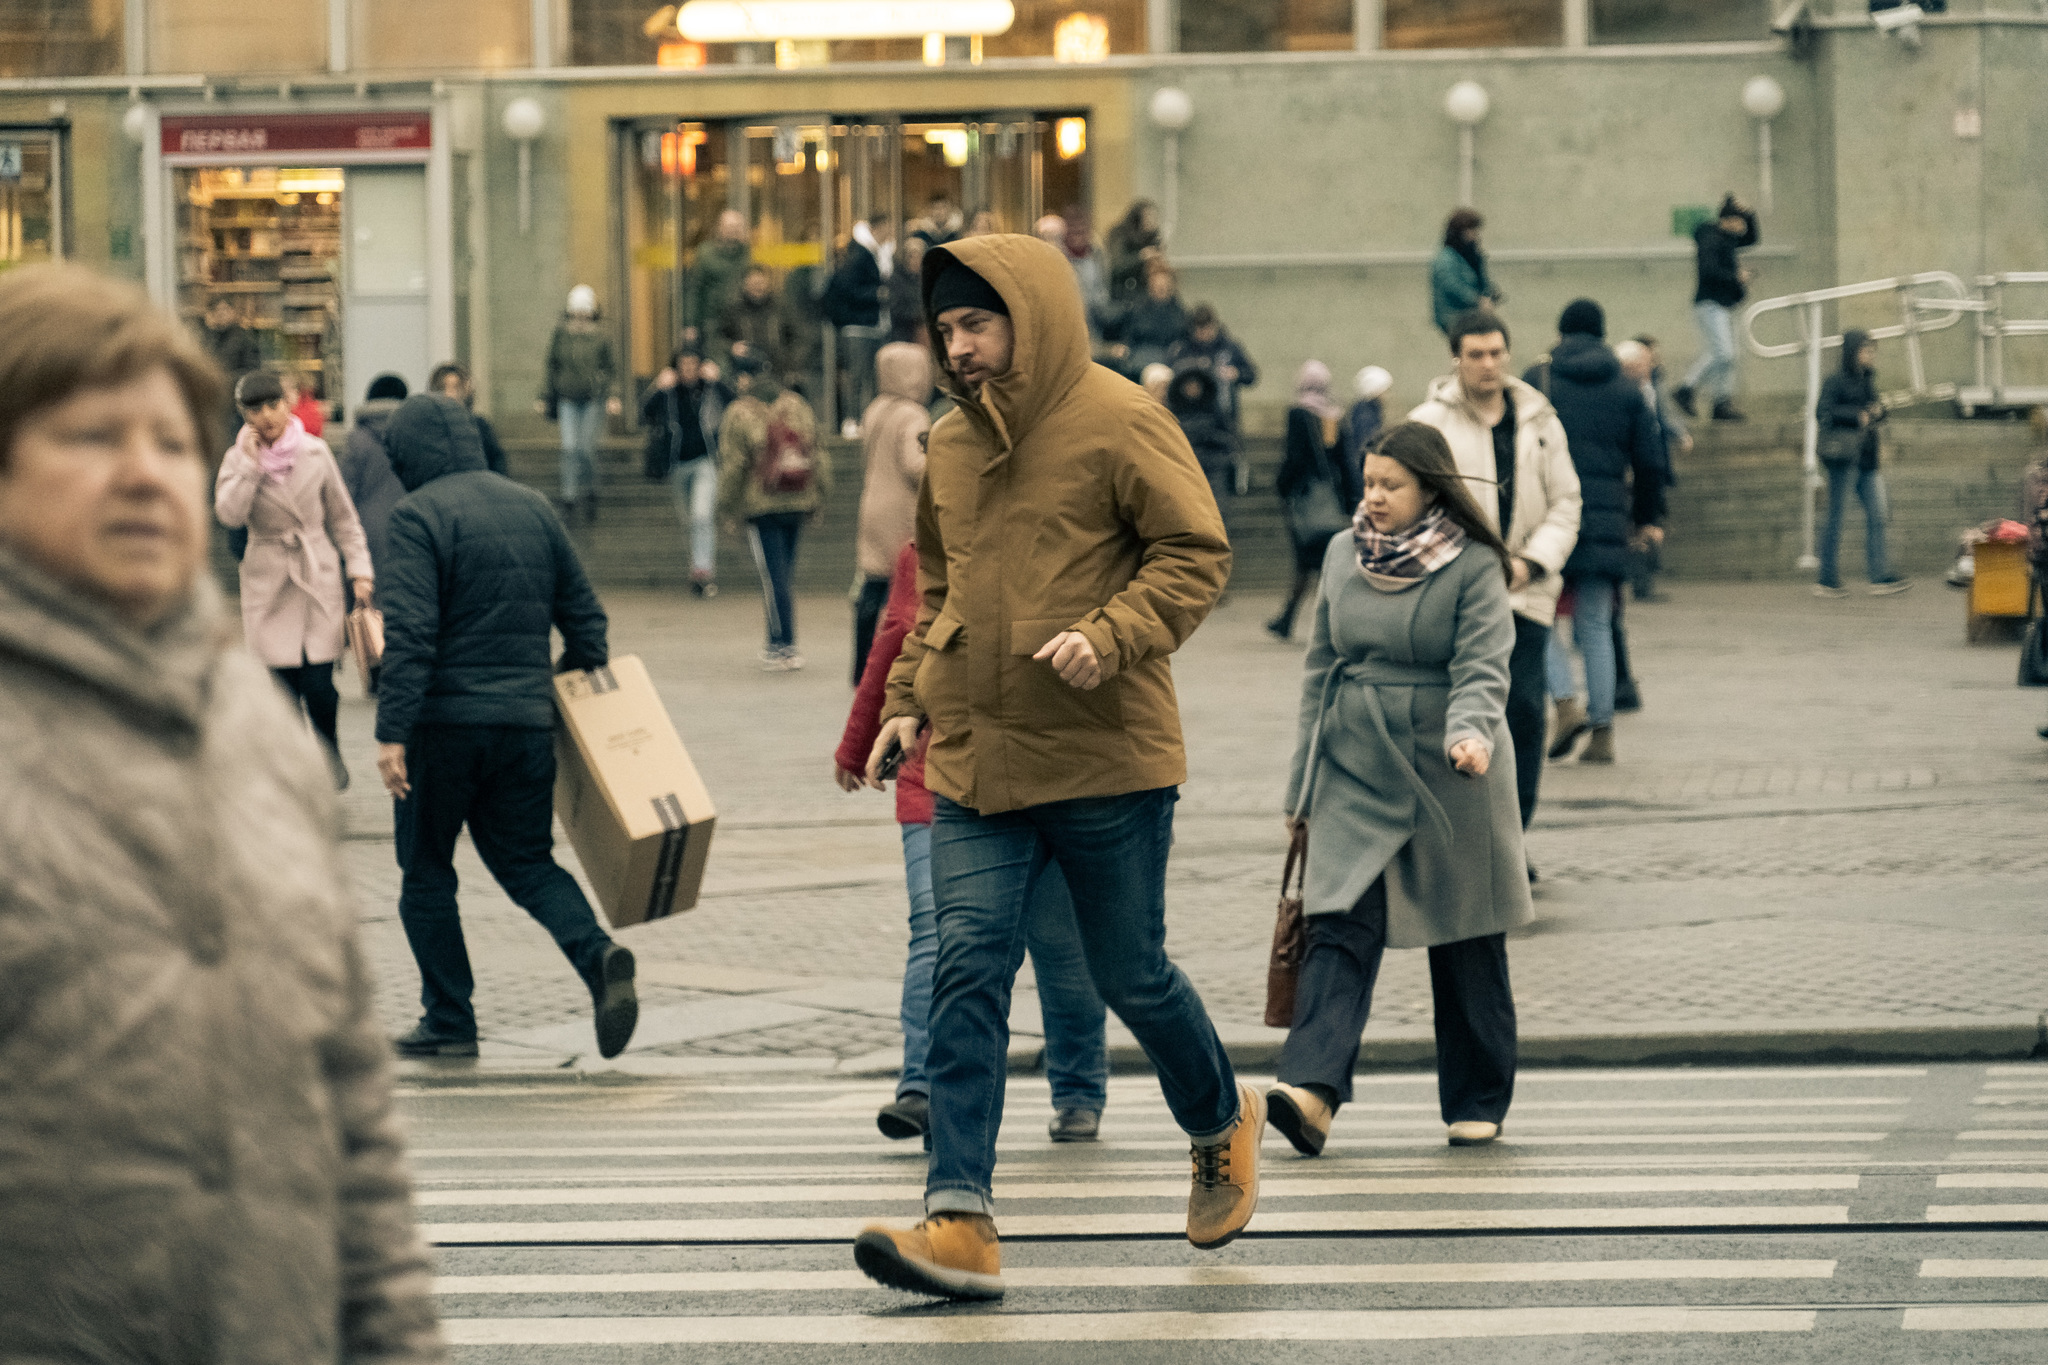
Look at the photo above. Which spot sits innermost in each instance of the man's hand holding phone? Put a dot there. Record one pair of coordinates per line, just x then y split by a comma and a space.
892, 745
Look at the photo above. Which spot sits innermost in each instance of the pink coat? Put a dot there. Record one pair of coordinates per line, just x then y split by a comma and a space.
293, 599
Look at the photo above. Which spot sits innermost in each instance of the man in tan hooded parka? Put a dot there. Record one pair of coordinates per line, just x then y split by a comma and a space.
1067, 544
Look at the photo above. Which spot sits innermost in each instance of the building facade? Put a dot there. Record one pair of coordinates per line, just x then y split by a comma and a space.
381, 186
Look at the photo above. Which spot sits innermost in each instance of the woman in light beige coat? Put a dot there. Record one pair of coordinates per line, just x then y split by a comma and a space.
201, 1162
285, 486
892, 440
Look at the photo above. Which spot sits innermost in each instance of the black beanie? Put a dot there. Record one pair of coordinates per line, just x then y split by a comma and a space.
385, 386
959, 287
1582, 316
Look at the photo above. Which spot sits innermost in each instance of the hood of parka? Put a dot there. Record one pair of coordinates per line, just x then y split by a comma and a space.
430, 436
1051, 353
1853, 342
161, 675
904, 371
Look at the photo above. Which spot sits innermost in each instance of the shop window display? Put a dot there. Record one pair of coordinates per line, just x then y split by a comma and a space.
60, 37
269, 240
31, 176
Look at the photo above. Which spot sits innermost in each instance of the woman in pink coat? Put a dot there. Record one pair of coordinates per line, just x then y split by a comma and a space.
286, 488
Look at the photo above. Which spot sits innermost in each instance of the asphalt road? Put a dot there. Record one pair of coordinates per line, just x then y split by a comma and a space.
1881, 1213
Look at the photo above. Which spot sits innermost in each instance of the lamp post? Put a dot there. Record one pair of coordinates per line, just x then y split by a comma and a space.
1467, 103
1763, 99
1172, 111
524, 120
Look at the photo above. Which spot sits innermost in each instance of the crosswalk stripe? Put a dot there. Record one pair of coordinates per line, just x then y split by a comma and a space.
1535, 1112
999, 1328
1984, 1270
2029, 1317
1150, 1224
1038, 1144
2035, 1084
1143, 1189
2003, 1135
1993, 1180
1987, 1213
1146, 1277
1122, 1125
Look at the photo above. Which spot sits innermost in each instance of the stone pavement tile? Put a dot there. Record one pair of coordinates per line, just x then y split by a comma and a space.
1826, 813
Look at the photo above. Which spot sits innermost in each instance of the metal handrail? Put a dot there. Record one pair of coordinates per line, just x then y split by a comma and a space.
1993, 327
1814, 339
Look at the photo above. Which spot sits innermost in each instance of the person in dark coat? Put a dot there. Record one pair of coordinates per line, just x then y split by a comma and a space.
1849, 413
1191, 398
1134, 243
1458, 278
479, 568
1318, 492
451, 379
1143, 333
853, 303
1617, 447
366, 470
754, 323
906, 296
1722, 283
1366, 417
681, 411
1209, 346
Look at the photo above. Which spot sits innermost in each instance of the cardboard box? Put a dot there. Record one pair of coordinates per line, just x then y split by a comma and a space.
636, 811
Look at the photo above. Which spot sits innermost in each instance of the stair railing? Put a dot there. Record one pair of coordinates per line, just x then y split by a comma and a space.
1993, 327
1919, 314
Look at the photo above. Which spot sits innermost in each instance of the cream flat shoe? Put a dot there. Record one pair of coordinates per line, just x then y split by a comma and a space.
1301, 1118
1473, 1133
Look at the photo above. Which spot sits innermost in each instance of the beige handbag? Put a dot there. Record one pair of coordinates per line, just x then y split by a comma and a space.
365, 633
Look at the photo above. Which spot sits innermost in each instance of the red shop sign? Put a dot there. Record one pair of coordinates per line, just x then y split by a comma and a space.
231, 137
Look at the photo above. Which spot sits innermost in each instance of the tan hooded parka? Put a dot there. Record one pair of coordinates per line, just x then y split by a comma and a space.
1059, 497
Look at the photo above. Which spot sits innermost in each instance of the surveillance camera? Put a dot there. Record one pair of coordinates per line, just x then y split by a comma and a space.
1902, 22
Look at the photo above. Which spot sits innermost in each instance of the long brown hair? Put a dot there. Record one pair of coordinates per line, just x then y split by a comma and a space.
1422, 450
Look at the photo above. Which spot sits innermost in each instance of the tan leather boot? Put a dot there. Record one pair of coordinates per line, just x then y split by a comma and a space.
1568, 726
1599, 745
948, 1255
1301, 1117
1226, 1177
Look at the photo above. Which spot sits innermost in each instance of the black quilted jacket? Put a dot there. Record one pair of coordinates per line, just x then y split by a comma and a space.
478, 569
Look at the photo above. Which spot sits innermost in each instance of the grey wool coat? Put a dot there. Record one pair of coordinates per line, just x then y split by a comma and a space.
199, 1164
1394, 680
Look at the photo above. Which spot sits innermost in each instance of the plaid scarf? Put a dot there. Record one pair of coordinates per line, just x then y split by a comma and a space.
1421, 550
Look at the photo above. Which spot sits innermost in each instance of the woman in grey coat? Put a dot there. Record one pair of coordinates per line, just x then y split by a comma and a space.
1405, 776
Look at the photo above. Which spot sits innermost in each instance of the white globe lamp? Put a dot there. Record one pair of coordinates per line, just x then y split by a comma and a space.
135, 123
1172, 110
1467, 103
524, 120
1763, 99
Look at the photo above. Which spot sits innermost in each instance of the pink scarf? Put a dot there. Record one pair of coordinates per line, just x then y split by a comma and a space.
278, 459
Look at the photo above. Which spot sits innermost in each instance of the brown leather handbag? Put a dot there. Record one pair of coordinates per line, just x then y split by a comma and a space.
1290, 935
364, 629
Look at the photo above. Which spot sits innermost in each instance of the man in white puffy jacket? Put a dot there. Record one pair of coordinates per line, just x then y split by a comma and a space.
1508, 442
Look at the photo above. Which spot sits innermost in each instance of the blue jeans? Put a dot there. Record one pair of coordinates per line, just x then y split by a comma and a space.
580, 424
695, 485
1714, 372
1593, 633
1076, 1053
1869, 485
985, 869
774, 538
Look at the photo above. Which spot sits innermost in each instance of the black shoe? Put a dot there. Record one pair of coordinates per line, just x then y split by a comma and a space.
1682, 395
1533, 877
617, 1004
906, 1116
1075, 1125
1726, 411
420, 1043
2042, 732
1283, 631
1626, 698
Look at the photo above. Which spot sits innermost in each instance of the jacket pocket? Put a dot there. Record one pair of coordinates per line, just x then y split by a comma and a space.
941, 633
1028, 637
1036, 698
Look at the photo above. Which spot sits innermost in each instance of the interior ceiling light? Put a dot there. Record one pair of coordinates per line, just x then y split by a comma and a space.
1081, 38
766, 21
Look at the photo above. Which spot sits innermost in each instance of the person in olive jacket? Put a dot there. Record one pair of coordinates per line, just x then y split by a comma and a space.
1067, 546
479, 569
581, 389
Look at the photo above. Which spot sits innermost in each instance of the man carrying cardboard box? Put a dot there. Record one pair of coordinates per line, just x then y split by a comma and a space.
477, 571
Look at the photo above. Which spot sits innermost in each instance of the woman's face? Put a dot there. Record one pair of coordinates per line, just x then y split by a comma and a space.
1394, 498
270, 420
107, 491
1148, 219
1866, 356
1159, 285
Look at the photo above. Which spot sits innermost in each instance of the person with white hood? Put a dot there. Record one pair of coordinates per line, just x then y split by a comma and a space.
853, 303
1507, 440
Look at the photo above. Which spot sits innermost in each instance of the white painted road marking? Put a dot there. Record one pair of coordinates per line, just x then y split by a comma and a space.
2030, 1317
1092, 1327
1984, 1270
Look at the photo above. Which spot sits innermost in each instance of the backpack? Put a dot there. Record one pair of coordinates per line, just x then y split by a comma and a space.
786, 464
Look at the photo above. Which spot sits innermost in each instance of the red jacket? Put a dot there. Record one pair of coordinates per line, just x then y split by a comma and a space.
913, 802
312, 414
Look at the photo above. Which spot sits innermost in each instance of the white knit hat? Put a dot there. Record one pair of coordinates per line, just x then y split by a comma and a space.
583, 300
1373, 381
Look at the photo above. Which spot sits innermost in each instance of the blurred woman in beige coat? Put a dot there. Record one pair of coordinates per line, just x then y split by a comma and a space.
892, 441
285, 486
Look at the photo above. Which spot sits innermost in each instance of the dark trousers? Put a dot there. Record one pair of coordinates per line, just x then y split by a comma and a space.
774, 538
313, 686
1475, 1011
1624, 678
500, 780
867, 614
1526, 692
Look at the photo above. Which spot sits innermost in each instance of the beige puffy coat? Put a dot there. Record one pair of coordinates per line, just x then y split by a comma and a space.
301, 531
1545, 520
198, 1157
892, 438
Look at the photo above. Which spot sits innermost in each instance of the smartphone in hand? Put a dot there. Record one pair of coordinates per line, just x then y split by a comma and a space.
892, 761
